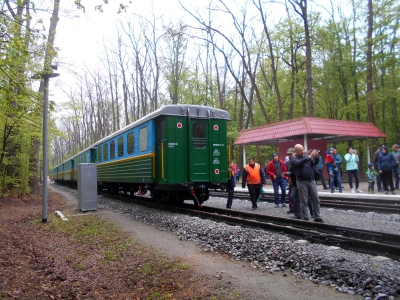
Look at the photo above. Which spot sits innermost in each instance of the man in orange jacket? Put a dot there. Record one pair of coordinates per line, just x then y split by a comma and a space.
254, 176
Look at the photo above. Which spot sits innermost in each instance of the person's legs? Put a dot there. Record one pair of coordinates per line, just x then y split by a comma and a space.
322, 179
282, 184
379, 182
303, 196
384, 181
275, 185
296, 201
313, 194
350, 175
396, 177
332, 183
357, 178
310, 207
291, 208
338, 179
252, 192
230, 199
389, 179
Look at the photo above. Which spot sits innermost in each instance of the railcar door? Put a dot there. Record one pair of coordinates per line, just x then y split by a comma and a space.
199, 151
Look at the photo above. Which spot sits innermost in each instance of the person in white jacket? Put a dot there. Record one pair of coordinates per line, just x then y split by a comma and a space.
351, 159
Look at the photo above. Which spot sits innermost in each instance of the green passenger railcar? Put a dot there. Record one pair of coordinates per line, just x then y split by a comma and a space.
191, 153
178, 152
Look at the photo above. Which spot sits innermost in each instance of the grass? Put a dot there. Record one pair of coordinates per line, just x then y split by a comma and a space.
102, 243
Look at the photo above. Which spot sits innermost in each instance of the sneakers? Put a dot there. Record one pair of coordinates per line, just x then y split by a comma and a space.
387, 193
253, 208
393, 193
283, 205
290, 212
380, 191
353, 191
359, 191
331, 173
276, 205
318, 220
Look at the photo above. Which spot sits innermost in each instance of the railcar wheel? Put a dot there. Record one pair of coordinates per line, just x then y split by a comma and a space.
174, 199
113, 189
156, 197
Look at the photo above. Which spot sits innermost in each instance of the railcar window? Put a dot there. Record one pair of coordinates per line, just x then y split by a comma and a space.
112, 150
131, 143
99, 154
143, 139
121, 146
105, 152
199, 135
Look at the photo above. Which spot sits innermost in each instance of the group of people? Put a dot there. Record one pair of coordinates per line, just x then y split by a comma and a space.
384, 165
301, 170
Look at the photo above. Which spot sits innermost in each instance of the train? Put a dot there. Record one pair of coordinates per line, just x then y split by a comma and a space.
178, 153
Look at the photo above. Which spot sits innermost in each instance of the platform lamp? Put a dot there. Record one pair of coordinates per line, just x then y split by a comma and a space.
46, 75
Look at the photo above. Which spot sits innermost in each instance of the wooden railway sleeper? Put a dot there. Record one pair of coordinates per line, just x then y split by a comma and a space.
361, 234
326, 239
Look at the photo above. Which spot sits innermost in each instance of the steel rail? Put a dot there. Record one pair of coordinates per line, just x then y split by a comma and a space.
365, 241
342, 204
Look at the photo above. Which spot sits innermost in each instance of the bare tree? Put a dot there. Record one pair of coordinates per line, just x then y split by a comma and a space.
370, 102
300, 7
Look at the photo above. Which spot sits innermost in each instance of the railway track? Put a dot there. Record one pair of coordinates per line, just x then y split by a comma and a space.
365, 241
362, 204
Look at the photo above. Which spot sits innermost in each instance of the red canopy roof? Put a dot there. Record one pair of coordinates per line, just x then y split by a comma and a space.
315, 129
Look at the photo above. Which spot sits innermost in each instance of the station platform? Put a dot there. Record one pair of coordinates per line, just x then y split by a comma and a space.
346, 191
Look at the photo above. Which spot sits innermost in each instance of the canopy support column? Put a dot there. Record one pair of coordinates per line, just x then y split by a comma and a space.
244, 156
368, 153
305, 142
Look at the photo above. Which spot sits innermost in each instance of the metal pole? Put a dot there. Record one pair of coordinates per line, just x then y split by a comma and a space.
45, 158
45, 78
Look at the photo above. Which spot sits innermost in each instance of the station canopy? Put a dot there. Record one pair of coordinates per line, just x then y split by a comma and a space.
308, 128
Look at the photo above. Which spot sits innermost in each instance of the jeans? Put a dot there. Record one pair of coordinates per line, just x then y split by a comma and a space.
336, 176
371, 185
279, 182
396, 173
379, 182
350, 174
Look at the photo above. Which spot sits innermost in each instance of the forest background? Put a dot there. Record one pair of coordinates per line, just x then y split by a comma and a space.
326, 59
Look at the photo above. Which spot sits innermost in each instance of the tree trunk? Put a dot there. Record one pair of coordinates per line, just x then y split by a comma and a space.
47, 61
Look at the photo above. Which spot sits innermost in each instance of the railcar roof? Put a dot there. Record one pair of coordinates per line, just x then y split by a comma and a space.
193, 111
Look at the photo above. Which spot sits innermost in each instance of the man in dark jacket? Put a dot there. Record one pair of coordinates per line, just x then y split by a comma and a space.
306, 184
375, 162
337, 176
386, 162
294, 195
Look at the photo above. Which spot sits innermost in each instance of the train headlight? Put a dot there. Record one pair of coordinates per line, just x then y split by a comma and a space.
190, 186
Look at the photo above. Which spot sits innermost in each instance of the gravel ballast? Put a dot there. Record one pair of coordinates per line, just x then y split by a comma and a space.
347, 271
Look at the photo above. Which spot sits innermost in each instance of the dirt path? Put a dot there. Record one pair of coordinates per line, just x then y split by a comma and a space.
231, 274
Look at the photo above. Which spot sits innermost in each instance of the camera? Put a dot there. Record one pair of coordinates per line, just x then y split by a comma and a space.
288, 173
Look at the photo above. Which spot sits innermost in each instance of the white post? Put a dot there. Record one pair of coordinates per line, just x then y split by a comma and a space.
305, 142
